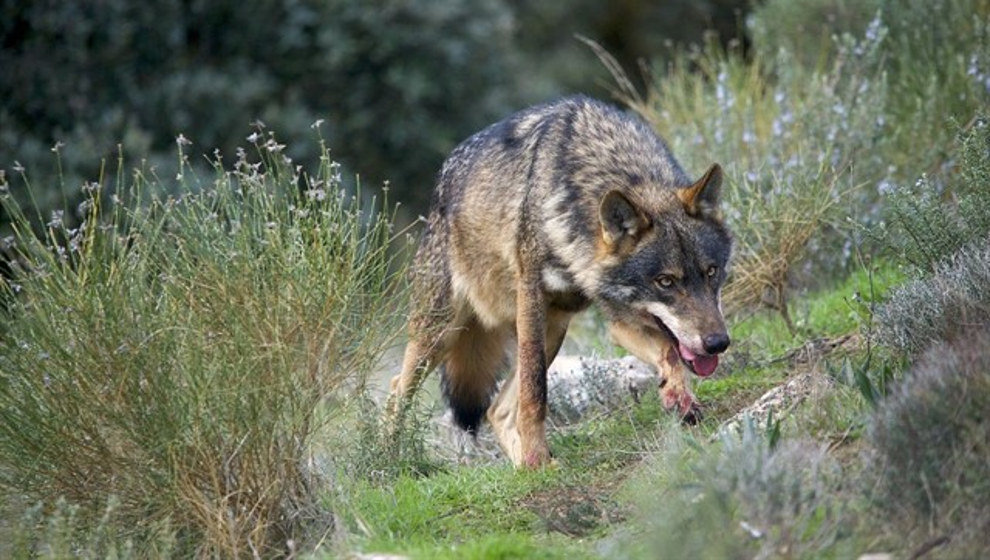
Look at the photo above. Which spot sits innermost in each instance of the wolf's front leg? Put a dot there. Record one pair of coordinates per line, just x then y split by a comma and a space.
519, 423
653, 347
504, 412
531, 371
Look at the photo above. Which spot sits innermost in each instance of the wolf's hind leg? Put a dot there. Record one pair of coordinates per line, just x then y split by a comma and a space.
420, 358
431, 333
656, 349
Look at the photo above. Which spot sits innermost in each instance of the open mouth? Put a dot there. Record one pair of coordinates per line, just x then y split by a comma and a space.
702, 365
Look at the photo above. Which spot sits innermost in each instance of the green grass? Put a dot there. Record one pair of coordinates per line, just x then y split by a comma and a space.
492, 510
829, 312
498, 545
444, 507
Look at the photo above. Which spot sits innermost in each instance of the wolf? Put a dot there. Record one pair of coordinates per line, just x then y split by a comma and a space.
535, 218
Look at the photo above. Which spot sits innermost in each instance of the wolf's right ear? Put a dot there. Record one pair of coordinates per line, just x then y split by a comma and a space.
701, 198
620, 218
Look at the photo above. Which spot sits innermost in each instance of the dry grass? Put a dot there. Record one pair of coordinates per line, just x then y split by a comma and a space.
179, 354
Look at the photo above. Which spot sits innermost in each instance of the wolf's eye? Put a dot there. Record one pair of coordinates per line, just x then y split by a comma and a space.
665, 281
712, 271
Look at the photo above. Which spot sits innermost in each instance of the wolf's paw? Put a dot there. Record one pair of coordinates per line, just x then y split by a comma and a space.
538, 457
694, 415
683, 403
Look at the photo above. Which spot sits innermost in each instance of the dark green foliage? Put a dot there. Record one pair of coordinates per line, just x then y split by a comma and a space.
932, 440
398, 82
405, 80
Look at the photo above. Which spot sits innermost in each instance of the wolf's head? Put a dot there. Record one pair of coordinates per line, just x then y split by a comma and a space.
666, 265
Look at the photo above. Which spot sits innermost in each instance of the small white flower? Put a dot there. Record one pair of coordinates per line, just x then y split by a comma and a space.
56, 220
181, 140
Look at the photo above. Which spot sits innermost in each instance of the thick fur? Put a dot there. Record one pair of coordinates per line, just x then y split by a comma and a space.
535, 218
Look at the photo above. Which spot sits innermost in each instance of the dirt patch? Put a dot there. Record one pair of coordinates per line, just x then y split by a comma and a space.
576, 511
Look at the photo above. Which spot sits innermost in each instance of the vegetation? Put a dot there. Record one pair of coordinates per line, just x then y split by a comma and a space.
188, 366
172, 359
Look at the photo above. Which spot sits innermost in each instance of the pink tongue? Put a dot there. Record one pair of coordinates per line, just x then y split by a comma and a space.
703, 365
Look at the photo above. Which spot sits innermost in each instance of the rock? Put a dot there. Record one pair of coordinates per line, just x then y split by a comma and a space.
777, 401
578, 386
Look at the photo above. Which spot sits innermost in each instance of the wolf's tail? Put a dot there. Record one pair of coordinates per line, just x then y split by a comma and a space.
468, 404
469, 375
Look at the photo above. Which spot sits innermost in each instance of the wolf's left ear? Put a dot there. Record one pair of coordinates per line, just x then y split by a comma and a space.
701, 198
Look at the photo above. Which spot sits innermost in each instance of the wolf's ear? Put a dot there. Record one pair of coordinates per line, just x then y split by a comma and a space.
620, 218
701, 198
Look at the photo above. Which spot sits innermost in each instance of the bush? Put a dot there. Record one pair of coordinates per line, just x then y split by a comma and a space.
806, 28
178, 355
936, 217
931, 439
952, 301
399, 82
941, 231
743, 498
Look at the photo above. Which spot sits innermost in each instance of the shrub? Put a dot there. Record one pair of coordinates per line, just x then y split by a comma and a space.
941, 231
931, 439
179, 354
936, 217
743, 498
936, 56
806, 28
399, 81
939, 70
953, 300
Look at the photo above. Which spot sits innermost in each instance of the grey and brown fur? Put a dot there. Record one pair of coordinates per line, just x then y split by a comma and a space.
534, 219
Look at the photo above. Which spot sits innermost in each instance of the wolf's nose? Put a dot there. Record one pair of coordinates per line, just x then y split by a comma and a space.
715, 343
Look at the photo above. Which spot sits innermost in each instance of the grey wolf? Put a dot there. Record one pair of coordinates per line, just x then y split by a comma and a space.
537, 217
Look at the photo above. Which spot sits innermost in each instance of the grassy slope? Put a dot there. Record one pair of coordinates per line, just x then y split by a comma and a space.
574, 510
